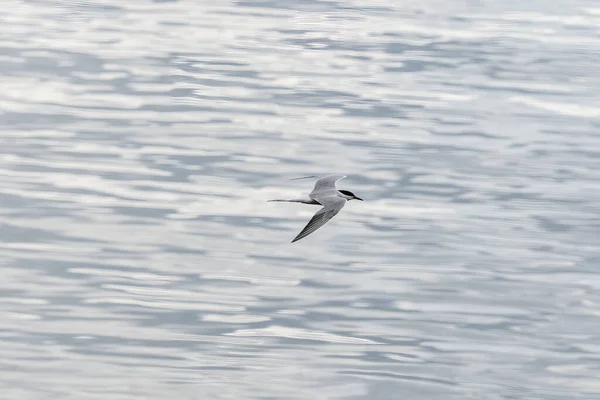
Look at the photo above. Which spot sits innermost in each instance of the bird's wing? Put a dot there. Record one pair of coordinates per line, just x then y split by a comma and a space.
326, 183
331, 206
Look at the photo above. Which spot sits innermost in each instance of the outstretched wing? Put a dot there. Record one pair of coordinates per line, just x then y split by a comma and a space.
326, 183
331, 206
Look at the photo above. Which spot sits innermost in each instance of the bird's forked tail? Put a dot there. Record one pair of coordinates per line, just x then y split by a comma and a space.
305, 200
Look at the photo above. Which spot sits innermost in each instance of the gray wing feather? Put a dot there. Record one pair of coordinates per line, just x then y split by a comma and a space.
326, 183
331, 206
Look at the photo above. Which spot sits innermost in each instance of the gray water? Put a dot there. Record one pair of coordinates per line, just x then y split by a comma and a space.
141, 140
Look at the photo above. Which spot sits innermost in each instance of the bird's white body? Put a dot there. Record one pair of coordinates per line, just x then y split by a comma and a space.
326, 194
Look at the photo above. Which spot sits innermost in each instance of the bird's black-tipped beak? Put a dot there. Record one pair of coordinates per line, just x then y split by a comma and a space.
358, 198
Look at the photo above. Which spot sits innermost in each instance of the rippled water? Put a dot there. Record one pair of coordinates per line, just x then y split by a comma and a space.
141, 140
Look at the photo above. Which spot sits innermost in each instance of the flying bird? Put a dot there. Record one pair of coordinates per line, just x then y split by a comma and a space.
327, 195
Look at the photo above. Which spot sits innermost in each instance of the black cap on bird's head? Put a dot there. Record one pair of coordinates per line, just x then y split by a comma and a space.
350, 194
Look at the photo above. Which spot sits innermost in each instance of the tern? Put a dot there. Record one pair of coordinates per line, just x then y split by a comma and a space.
324, 194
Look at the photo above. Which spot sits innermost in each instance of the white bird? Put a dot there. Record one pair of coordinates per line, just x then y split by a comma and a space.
326, 194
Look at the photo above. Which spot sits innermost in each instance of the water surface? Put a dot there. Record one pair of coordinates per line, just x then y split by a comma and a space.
141, 140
